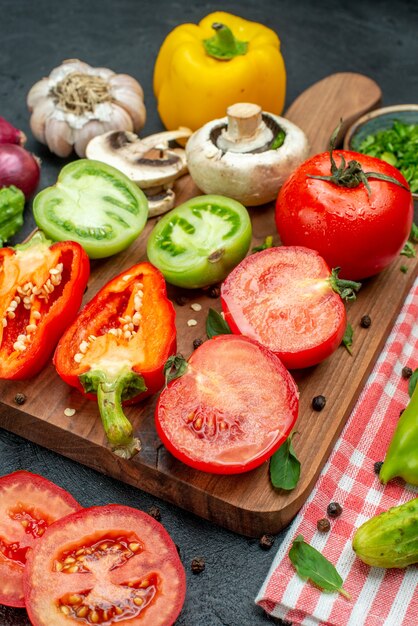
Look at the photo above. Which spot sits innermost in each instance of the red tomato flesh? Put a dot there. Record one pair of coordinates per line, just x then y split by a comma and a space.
359, 232
282, 298
105, 565
28, 505
232, 408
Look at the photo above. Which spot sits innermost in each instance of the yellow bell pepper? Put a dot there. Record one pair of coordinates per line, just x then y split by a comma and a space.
202, 69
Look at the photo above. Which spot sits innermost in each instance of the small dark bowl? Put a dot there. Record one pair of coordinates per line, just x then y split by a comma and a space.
377, 120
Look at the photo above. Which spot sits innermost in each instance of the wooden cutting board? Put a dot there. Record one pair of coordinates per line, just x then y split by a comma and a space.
245, 503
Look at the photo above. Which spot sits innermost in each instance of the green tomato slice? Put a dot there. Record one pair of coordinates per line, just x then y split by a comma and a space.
94, 204
199, 242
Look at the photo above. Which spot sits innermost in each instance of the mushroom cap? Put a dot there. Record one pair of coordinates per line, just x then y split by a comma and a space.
145, 165
252, 178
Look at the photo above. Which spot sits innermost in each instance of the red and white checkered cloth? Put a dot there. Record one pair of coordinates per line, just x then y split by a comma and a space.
379, 596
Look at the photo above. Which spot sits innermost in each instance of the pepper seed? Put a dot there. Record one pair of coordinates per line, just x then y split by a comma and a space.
365, 321
334, 509
196, 306
191, 323
266, 542
198, 565
318, 403
406, 372
69, 412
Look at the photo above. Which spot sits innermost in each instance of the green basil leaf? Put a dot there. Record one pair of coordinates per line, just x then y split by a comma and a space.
174, 367
347, 341
268, 243
408, 250
403, 269
413, 382
216, 325
312, 565
285, 466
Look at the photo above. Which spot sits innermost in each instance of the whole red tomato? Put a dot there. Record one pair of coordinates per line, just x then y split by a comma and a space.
359, 230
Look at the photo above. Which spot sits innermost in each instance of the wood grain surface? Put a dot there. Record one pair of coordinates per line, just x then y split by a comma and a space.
245, 503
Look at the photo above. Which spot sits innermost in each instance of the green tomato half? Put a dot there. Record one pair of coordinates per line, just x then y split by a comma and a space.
94, 204
199, 242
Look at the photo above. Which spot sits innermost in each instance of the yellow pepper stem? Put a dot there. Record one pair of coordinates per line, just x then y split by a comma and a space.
223, 45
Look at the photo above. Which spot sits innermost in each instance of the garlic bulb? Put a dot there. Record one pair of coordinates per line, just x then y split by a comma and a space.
77, 102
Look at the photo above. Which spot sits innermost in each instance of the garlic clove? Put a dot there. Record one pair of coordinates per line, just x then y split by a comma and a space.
39, 91
127, 82
58, 137
83, 135
132, 102
40, 114
119, 119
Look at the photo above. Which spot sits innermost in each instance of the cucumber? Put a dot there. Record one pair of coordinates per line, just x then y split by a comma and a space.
391, 538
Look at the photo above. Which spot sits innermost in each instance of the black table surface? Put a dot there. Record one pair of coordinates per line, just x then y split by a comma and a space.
378, 39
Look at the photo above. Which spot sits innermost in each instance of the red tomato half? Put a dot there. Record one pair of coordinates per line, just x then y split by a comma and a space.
360, 233
282, 297
232, 408
28, 505
105, 565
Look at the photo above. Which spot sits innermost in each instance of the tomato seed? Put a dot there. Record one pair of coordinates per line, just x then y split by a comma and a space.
94, 617
58, 566
75, 599
64, 609
118, 610
82, 611
69, 559
138, 601
143, 584
134, 547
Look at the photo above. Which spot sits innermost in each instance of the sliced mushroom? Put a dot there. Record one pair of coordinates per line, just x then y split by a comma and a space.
240, 156
148, 162
160, 202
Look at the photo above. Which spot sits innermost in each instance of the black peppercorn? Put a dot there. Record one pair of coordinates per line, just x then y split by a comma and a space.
266, 542
406, 372
214, 291
20, 398
198, 565
334, 509
365, 321
197, 343
181, 300
377, 467
318, 403
154, 511
323, 525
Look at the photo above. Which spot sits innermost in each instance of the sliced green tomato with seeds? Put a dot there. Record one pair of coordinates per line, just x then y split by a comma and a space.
201, 241
94, 204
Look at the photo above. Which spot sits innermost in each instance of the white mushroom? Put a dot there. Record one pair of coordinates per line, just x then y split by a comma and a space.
150, 162
237, 156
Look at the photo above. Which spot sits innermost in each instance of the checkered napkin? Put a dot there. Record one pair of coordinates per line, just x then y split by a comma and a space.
378, 596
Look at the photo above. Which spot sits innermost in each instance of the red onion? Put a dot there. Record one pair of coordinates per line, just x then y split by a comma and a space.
10, 134
19, 167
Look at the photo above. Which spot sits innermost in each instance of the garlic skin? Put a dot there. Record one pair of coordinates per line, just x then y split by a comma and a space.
252, 178
77, 102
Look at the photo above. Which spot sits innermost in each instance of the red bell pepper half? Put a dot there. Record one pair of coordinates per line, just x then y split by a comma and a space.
117, 347
41, 288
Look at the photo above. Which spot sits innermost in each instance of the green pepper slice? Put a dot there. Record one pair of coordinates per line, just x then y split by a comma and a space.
94, 204
199, 242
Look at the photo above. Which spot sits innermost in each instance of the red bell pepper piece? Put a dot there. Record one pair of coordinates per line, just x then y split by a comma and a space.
41, 288
117, 347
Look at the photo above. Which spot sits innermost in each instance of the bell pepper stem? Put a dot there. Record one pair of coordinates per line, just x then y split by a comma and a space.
223, 45
111, 391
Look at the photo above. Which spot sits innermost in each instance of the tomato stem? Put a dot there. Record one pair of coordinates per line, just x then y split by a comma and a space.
351, 174
345, 288
111, 391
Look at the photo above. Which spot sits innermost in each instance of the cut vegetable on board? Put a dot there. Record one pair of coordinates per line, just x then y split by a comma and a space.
117, 347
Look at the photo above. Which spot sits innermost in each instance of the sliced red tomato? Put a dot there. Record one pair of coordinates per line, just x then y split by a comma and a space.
232, 408
28, 505
105, 565
283, 298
